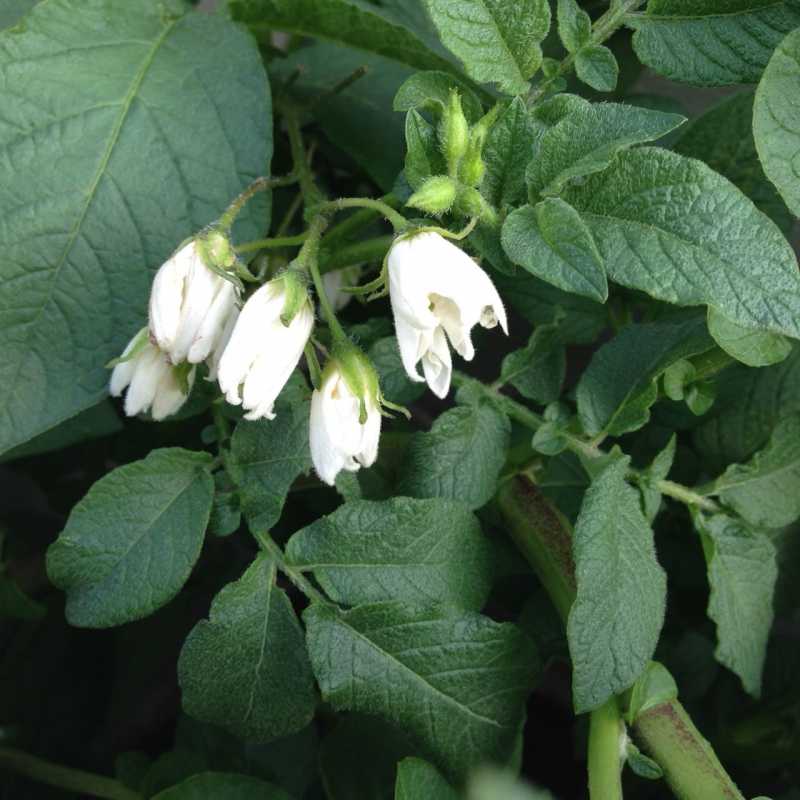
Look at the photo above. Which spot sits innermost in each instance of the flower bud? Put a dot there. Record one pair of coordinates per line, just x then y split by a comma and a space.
470, 203
345, 424
435, 196
453, 133
472, 166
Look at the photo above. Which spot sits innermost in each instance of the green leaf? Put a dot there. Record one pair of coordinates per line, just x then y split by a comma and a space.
14, 603
265, 459
776, 120
423, 157
222, 786
742, 574
752, 347
551, 241
343, 22
102, 183
359, 118
723, 138
655, 686
246, 668
650, 478
588, 140
597, 67
617, 389
574, 25
537, 370
431, 91
615, 622
508, 148
497, 41
766, 490
460, 458
457, 683
645, 215
690, 42
418, 779
130, 544
420, 551
395, 383
12, 11
642, 765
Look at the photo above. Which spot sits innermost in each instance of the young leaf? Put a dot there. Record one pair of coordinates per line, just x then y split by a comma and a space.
420, 551
79, 241
423, 157
723, 138
222, 786
431, 91
574, 25
460, 458
497, 41
742, 574
597, 67
657, 471
766, 491
589, 140
551, 241
619, 386
776, 120
537, 370
359, 25
246, 668
729, 252
699, 44
417, 779
508, 148
615, 622
131, 543
264, 460
456, 683
752, 347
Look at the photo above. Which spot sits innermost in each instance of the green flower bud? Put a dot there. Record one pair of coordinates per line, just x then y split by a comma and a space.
470, 203
453, 133
472, 167
435, 196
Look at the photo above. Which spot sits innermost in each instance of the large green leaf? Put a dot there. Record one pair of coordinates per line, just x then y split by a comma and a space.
497, 41
723, 138
417, 779
742, 572
131, 543
265, 458
589, 138
537, 370
752, 347
222, 786
712, 44
420, 551
616, 619
127, 130
766, 490
12, 11
344, 22
460, 458
457, 683
246, 668
619, 386
776, 120
673, 228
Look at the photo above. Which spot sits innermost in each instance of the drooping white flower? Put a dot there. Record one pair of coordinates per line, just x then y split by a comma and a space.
153, 383
436, 289
262, 352
219, 348
189, 305
345, 423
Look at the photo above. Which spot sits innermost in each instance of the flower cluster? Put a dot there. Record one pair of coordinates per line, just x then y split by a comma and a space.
438, 294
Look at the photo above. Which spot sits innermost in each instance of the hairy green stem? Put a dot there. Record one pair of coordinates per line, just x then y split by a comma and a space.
269, 545
258, 185
357, 222
397, 220
606, 758
273, 243
71, 780
311, 194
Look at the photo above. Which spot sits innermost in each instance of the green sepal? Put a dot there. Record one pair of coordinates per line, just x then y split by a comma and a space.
435, 196
141, 340
181, 373
295, 293
358, 373
453, 133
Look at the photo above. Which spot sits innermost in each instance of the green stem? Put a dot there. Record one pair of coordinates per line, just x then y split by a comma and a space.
691, 768
397, 220
311, 194
269, 545
258, 185
604, 27
606, 734
71, 780
369, 250
356, 222
269, 244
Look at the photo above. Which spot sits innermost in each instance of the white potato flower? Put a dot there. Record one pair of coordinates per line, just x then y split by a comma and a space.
438, 293
262, 351
190, 304
153, 383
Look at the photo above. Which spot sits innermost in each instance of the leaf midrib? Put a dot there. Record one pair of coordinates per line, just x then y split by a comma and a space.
90, 196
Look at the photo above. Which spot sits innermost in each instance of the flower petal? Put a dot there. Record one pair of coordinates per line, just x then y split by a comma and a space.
166, 296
